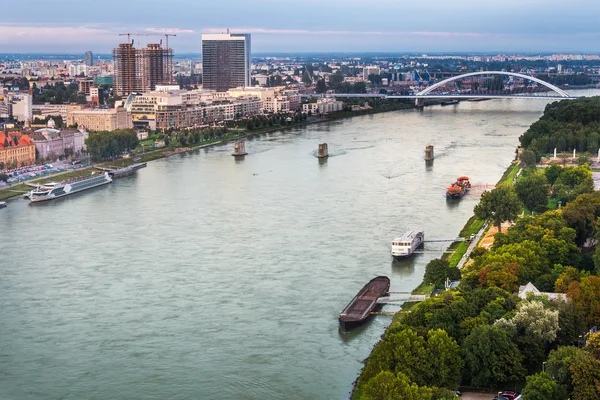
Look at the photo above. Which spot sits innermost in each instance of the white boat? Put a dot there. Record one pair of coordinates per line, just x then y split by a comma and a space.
406, 245
2, 204
56, 190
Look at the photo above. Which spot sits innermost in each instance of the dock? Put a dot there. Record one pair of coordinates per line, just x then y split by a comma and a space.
124, 171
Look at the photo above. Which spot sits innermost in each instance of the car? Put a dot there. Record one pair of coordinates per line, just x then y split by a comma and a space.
458, 393
509, 394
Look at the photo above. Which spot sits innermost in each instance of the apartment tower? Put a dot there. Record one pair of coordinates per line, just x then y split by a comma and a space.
139, 70
88, 59
226, 61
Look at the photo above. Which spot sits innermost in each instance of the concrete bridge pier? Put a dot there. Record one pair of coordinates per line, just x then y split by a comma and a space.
419, 102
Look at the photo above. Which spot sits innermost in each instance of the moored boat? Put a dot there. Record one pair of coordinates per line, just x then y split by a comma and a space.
406, 245
3, 204
450, 102
459, 188
74, 185
365, 301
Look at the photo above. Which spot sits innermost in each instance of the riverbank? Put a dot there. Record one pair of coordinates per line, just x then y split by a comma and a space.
457, 257
148, 156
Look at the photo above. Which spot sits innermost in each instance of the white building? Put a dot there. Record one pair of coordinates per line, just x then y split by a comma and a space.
22, 109
323, 106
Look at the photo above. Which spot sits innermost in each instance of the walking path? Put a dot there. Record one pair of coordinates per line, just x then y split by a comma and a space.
472, 245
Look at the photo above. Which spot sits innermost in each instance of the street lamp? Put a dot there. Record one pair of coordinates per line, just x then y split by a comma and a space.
544, 366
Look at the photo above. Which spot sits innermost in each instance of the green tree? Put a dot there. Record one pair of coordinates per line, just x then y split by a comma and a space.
3, 177
499, 205
541, 387
491, 358
528, 158
2, 165
532, 191
445, 360
438, 270
558, 367
321, 86
387, 386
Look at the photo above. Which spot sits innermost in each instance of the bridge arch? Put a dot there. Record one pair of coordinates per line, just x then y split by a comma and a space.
428, 90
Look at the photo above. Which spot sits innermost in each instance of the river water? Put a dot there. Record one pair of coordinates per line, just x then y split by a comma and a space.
207, 277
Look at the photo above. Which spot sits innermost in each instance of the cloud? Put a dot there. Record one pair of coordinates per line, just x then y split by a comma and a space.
174, 31
346, 32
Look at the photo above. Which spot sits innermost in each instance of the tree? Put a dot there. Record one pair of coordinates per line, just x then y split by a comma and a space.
499, 205
558, 367
585, 296
436, 272
2, 165
387, 386
491, 358
534, 320
585, 371
445, 360
540, 387
3, 177
528, 158
532, 191
321, 86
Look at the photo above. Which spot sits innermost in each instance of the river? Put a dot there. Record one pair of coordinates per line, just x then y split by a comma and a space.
206, 277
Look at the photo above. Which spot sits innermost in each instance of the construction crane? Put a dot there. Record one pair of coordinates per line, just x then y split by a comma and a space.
169, 61
129, 35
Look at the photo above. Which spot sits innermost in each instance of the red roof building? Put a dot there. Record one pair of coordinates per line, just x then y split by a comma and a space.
16, 150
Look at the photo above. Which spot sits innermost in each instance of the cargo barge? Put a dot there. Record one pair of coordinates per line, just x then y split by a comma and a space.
361, 306
459, 188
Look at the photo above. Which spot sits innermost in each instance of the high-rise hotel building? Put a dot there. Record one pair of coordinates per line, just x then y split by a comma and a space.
226, 61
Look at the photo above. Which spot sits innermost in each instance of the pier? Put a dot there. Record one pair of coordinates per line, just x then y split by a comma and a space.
239, 149
429, 153
323, 151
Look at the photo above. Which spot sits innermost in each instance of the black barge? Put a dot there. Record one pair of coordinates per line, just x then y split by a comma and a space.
361, 306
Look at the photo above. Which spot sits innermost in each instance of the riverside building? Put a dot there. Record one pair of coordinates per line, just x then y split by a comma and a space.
226, 61
100, 119
171, 107
16, 150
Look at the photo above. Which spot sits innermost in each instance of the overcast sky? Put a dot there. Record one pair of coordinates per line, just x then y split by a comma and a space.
72, 26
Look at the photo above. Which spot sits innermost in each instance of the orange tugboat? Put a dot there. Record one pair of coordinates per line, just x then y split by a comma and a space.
458, 188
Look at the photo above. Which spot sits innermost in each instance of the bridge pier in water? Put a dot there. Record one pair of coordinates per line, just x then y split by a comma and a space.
419, 102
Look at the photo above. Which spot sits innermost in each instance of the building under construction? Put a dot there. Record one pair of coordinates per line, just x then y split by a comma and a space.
139, 70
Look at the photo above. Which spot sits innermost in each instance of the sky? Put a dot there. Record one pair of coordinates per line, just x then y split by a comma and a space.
289, 26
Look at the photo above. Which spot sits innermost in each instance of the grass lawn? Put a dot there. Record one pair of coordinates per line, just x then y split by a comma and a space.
423, 289
66, 175
11, 191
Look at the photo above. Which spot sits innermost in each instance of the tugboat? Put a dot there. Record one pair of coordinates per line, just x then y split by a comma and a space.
459, 188
365, 301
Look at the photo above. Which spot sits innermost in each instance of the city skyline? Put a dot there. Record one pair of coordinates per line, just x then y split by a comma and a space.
348, 26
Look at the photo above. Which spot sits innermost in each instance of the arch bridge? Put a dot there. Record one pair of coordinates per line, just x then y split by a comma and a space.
555, 93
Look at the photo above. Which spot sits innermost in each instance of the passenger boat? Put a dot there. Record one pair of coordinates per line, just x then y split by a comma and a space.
365, 301
74, 185
406, 245
459, 188
2, 204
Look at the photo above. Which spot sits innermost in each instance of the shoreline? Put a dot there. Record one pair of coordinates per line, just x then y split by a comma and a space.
406, 306
10, 193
